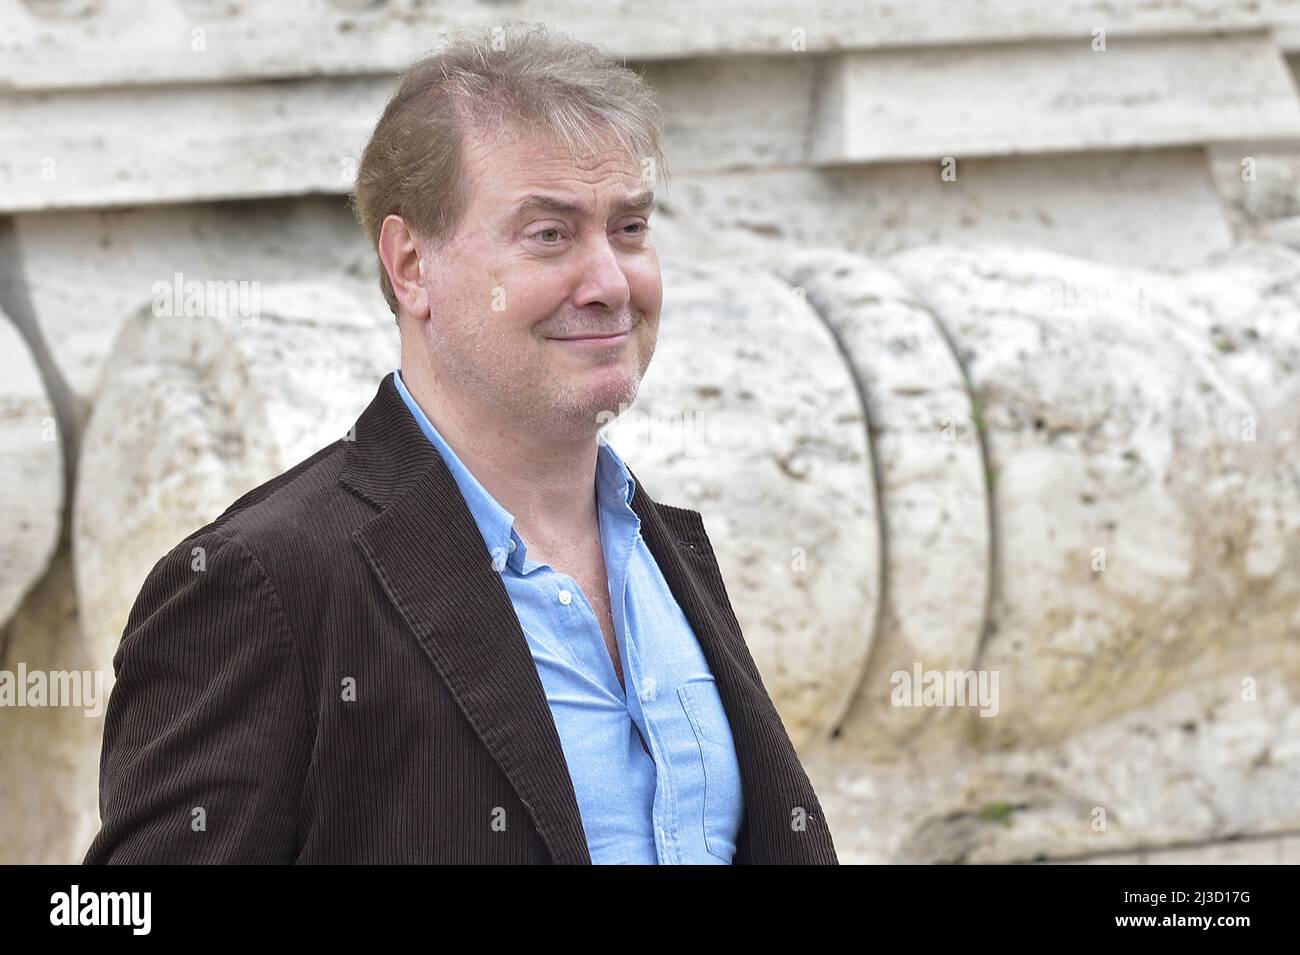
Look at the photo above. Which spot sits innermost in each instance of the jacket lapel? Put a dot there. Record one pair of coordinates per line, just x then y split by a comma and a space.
427, 552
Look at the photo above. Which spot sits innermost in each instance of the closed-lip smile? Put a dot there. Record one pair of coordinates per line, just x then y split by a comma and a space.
605, 336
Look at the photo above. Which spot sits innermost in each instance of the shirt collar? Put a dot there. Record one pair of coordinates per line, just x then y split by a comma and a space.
615, 488
615, 485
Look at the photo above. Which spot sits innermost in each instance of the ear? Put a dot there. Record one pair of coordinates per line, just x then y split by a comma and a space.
399, 250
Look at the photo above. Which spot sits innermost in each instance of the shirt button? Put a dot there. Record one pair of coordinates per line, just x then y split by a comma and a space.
512, 547
565, 597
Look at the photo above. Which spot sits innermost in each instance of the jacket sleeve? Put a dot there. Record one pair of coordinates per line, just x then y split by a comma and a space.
206, 734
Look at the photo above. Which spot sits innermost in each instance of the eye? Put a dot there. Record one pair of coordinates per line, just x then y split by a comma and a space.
644, 227
540, 234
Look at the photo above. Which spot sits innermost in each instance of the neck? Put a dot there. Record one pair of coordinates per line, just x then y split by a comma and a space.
547, 483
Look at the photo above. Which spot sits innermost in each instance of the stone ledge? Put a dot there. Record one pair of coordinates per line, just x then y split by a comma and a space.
1013, 99
54, 44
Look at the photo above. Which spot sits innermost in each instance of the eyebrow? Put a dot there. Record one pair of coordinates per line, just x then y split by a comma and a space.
541, 203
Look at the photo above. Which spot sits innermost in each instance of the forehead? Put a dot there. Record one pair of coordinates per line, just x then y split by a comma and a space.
507, 166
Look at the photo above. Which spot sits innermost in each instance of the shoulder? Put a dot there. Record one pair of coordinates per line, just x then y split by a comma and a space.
298, 512
274, 543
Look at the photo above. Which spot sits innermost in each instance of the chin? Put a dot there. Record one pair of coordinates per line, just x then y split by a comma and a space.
591, 408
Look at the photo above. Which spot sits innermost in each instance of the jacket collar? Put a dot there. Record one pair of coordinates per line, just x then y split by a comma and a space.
460, 613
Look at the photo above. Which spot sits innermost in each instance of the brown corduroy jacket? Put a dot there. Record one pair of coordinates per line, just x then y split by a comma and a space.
332, 672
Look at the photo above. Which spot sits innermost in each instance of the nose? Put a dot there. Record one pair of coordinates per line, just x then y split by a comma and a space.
601, 277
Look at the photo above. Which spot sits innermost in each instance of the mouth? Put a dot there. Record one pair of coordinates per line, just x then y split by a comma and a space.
604, 340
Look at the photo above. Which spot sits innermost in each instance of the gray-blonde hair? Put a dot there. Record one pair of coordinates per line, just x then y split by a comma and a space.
520, 74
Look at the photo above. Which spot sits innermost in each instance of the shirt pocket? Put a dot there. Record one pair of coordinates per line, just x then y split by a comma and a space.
721, 771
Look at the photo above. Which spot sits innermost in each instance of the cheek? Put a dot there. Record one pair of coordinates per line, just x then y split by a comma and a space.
646, 287
532, 307
523, 298
466, 294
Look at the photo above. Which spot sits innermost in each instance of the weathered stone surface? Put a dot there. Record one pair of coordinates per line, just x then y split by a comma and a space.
991, 100
78, 148
60, 43
1259, 182
1201, 765
65, 150
732, 113
749, 414
194, 411
86, 272
31, 472
934, 507
49, 755
1141, 432
750, 217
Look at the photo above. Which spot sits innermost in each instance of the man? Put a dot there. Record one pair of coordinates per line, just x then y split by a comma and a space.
466, 633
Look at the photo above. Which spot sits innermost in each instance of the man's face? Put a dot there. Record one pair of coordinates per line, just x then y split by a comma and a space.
524, 297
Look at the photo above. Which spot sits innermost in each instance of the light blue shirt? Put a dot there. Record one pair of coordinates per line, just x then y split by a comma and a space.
654, 769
